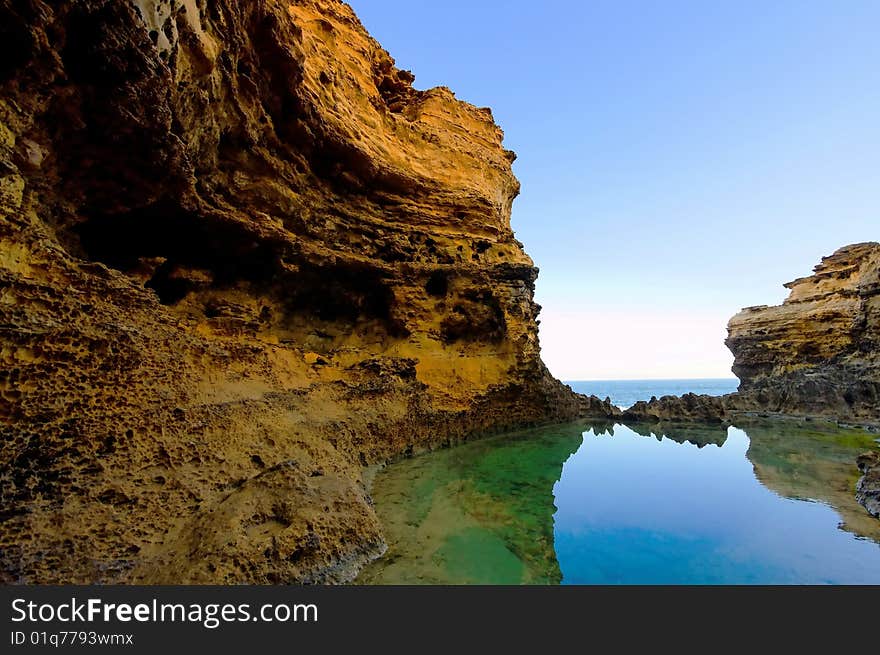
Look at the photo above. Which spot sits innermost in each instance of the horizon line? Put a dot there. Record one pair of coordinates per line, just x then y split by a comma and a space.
644, 379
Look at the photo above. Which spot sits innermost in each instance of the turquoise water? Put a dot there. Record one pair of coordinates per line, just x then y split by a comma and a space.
625, 393
764, 503
681, 513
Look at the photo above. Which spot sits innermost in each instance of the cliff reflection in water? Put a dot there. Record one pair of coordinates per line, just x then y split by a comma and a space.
640, 504
692, 433
480, 513
797, 460
814, 462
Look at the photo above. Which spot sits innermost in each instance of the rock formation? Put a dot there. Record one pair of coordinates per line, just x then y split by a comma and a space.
241, 257
816, 355
868, 486
819, 352
689, 407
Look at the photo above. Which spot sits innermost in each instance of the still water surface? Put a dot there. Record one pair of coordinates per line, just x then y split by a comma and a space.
769, 503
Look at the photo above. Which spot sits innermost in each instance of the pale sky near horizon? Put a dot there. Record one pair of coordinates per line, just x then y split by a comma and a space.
678, 160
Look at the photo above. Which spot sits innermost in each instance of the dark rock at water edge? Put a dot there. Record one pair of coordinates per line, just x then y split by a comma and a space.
868, 486
689, 407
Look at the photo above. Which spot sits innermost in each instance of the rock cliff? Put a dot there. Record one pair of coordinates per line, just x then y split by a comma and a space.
819, 352
241, 258
815, 355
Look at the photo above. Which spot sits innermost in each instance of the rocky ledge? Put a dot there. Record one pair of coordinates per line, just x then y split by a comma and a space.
241, 257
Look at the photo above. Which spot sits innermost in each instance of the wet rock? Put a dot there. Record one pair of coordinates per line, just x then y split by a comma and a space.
868, 486
689, 407
593, 407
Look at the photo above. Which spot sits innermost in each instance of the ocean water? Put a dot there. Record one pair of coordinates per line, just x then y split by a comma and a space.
625, 393
763, 503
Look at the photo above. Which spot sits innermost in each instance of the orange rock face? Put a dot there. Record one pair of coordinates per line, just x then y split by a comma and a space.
819, 352
241, 258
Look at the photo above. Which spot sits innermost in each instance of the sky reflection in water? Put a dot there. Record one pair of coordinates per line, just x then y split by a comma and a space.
617, 505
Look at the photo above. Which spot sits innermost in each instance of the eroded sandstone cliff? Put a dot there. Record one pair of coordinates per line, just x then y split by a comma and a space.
241, 257
819, 352
816, 355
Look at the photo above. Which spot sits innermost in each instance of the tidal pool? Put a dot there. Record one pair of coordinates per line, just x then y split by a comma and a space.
767, 503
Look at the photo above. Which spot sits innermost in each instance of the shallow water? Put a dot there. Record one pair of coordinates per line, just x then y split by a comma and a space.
771, 503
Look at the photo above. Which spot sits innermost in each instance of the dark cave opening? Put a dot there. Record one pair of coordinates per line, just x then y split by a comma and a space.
344, 293
182, 251
438, 284
183, 239
476, 316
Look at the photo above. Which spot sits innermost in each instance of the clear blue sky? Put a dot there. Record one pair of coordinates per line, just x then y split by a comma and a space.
678, 160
